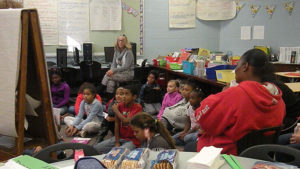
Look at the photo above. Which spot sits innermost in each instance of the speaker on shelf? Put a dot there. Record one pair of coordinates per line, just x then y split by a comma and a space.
133, 45
61, 57
87, 51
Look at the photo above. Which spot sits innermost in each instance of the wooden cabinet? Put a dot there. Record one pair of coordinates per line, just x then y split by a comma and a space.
283, 67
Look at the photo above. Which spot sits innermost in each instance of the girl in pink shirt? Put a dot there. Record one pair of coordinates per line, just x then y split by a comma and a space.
171, 97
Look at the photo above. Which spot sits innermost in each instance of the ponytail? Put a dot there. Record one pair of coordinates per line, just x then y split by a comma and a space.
144, 120
160, 128
260, 62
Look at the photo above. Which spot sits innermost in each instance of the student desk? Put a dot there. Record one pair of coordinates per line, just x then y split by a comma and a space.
209, 86
295, 87
182, 159
291, 76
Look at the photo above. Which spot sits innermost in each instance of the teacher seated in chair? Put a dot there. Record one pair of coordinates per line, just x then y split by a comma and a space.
122, 68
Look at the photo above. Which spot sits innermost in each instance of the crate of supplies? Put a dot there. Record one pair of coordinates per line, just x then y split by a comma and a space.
188, 67
211, 71
225, 75
155, 62
162, 63
175, 66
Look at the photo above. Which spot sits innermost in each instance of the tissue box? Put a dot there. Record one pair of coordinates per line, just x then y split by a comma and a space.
207, 158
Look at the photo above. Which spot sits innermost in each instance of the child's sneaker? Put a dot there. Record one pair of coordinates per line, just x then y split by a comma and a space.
82, 133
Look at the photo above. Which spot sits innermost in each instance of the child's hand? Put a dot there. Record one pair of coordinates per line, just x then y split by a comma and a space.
181, 136
295, 138
75, 130
69, 130
110, 119
37, 149
115, 107
200, 131
109, 73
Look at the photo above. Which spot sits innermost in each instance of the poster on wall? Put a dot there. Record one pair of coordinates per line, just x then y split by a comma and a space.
105, 14
47, 10
73, 21
215, 9
182, 13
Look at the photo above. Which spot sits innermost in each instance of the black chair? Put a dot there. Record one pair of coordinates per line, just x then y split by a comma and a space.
90, 71
267, 151
257, 137
45, 154
71, 76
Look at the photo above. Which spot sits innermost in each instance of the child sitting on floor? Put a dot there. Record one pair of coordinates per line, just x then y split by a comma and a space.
124, 111
94, 112
151, 132
171, 97
191, 129
74, 110
60, 92
150, 94
174, 117
108, 122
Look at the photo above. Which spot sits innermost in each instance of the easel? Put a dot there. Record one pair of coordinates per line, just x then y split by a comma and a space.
33, 79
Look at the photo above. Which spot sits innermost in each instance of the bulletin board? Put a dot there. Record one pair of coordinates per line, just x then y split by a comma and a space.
132, 27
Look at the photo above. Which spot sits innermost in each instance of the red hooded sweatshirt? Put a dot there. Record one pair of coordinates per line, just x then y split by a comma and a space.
228, 116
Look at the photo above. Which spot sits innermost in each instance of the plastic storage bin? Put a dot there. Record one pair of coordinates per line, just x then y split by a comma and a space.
225, 75
211, 72
188, 67
162, 63
155, 62
175, 66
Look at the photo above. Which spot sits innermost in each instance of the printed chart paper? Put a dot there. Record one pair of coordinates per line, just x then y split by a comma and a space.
258, 32
47, 10
106, 14
182, 13
73, 21
245, 32
215, 9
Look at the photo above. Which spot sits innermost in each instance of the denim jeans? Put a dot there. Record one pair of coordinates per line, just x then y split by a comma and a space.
106, 145
71, 110
285, 140
192, 137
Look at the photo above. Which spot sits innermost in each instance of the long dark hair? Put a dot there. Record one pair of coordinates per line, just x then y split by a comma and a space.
260, 62
144, 120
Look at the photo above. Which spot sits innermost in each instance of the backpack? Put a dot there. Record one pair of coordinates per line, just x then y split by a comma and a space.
89, 163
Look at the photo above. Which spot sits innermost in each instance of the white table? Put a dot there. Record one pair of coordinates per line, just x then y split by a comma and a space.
183, 157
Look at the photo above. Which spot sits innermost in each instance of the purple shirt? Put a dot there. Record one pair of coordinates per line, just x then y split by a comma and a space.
60, 94
169, 100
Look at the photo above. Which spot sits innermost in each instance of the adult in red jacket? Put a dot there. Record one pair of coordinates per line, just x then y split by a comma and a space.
252, 105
